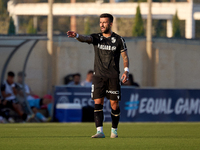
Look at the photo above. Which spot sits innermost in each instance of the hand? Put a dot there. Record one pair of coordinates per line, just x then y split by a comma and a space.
71, 34
124, 77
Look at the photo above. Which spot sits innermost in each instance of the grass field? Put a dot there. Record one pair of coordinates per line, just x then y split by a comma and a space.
70, 136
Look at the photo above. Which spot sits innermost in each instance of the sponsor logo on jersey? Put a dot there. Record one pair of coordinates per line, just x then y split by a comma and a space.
113, 39
101, 38
112, 92
107, 47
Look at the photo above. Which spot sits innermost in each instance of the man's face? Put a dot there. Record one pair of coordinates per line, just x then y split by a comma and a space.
89, 77
20, 79
10, 79
105, 25
76, 79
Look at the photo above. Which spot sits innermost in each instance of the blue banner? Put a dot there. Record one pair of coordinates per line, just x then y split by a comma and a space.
140, 104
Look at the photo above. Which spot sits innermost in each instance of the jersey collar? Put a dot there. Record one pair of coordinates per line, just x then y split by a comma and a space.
109, 36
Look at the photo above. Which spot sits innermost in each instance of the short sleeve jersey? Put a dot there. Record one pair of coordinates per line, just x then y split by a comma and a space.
107, 54
5, 87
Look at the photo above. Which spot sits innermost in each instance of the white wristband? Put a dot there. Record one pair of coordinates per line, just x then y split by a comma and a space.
77, 35
126, 69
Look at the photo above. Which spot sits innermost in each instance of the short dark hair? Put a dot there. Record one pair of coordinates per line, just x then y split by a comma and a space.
90, 72
76, 74
11, 74
106, 15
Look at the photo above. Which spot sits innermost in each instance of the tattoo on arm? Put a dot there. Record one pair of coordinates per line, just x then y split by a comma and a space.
83, 38
125, 59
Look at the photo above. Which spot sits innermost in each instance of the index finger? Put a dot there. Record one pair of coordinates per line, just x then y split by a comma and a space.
122, 76
124, 80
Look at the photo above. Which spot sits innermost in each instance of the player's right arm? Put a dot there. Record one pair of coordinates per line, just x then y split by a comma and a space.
81, 38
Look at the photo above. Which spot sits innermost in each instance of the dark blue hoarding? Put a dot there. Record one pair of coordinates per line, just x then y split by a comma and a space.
141, 104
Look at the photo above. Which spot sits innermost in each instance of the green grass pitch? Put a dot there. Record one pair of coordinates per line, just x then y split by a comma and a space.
72, 136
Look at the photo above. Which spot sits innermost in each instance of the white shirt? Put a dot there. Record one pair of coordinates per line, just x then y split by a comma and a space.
9, 90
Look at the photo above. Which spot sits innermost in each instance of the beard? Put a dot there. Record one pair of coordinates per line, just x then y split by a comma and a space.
107, 30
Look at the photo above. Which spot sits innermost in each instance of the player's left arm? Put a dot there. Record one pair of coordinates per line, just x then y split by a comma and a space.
126, 66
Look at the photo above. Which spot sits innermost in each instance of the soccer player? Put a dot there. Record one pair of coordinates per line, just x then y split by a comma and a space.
106, 83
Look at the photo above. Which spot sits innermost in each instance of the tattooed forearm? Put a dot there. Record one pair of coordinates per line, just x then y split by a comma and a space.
125, 59
83, 38
80, 38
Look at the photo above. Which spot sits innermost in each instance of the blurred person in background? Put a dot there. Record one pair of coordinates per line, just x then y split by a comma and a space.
36, 104
34, 101
28, 91
4, 113
88, 80
131, 82
76, 80
9, 92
